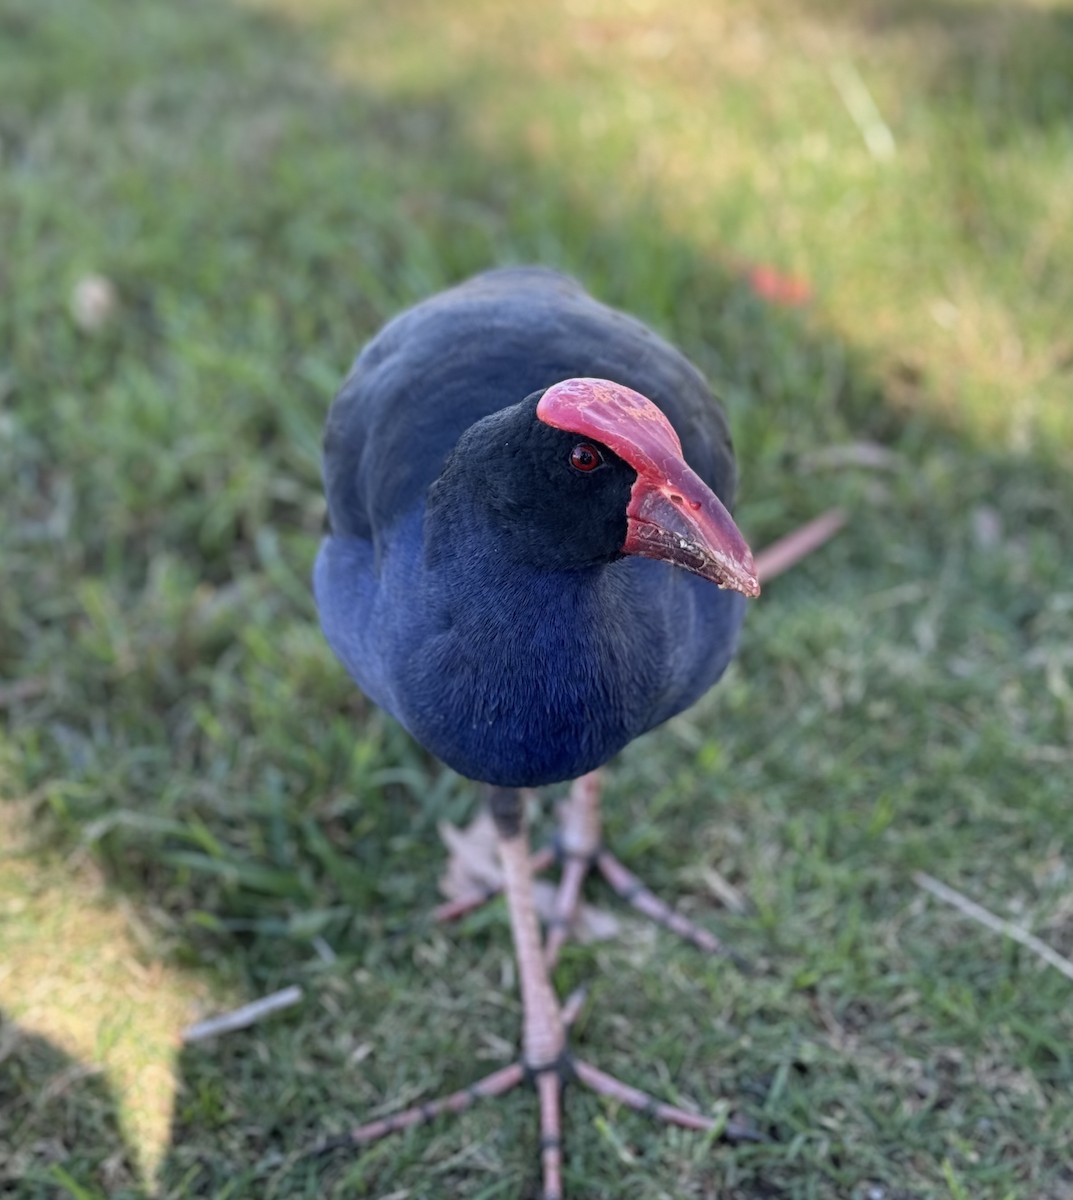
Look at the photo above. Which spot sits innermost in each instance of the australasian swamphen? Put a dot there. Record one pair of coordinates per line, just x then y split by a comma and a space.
520, 569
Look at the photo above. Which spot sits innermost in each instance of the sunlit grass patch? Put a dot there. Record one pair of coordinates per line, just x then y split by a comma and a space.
78, 969
262, 185
915, 164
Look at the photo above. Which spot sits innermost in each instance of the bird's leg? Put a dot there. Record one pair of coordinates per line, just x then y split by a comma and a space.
578, 842
546, 1061
498, 1083
543, 1032
581, 849
542, 1035
544, 1051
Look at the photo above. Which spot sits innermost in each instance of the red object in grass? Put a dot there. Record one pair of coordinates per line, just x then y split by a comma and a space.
788, 291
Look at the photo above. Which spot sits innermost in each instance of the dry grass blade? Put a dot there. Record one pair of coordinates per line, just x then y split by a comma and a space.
997, 924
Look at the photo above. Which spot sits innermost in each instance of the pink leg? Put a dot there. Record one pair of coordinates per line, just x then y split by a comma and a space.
549, 1090
579, 839
543, 1036
545, 1059
543, 1029
581, 849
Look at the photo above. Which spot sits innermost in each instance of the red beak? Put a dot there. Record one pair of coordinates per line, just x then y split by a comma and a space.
673, 515
682, 521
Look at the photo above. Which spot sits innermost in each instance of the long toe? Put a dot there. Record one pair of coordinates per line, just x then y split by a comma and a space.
496, 1084
631, 889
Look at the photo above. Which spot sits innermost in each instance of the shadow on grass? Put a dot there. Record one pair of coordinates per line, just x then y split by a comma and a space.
59, 1126
198, 737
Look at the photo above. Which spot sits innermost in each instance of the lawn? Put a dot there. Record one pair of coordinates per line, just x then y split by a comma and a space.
197, 808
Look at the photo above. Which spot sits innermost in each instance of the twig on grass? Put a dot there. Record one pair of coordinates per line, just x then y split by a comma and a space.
240, 1018
997, 924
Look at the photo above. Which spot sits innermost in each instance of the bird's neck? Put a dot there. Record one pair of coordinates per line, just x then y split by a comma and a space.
541, 662
484, 577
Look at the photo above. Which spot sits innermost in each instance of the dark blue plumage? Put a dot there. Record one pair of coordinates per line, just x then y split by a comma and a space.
494, 628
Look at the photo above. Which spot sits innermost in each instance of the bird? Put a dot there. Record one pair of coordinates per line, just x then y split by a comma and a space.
530, 561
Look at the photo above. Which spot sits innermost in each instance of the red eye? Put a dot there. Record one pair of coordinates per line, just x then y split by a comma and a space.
585, 457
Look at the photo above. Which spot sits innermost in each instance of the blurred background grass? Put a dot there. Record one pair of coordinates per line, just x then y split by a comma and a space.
197, 807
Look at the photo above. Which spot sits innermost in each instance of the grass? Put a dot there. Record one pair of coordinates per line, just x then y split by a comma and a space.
193, 794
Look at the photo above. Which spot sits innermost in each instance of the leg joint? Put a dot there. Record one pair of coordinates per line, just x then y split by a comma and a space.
590, 858
562, 1065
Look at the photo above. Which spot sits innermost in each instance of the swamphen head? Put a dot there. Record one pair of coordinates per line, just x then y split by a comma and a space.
588, 471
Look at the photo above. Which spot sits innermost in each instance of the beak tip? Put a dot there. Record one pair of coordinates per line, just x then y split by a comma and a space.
749, 584
747, 579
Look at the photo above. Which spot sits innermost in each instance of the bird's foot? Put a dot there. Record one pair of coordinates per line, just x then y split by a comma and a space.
549, 1078
629, 888
578, 849
546, 1060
